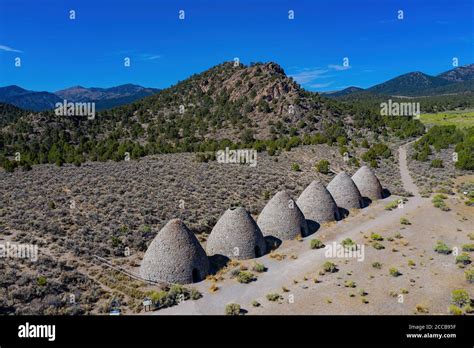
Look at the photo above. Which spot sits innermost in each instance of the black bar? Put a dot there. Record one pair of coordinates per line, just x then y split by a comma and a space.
224, 330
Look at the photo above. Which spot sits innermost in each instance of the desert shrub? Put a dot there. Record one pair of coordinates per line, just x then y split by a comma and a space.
295, 167
455, 310
323, 167
438, 202
145, 229
205, 157
232, 309
354, 162
468, 247
348, 244
316, 244
377, 151
469, 275
194, 294
377, 237
245, 277
378, 246
394, 272
255, 303
173, 296
405, 221
42, 281
460, 297
419, 308
258, 267
273, 297
329, 267
392, 205
157, 296
442, 248
437, 163
463, 259
376, 265
349, 284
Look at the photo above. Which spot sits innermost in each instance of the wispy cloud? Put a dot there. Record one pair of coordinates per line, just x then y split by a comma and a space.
338, 67
148, 56
320, 85
317, 77
152, 57
9, 49
387, 21
308, 75
137, 55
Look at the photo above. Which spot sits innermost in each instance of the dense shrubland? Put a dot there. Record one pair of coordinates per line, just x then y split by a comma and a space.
442, 137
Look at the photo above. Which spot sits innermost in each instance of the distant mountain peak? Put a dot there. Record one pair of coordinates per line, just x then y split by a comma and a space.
417, 83
459, 74
343, 92
412, 83
103, 97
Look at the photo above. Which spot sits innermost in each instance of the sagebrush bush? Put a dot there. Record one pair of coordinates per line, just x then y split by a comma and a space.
405, 221
258, 267
295, 167
232, 309
376, 265
394, 272
460, 297
348, 244
442, 248
377, 237
463, 259
323, 167
378, 246
469, 275
468, 247
329, 267
316, 244
245, 277
455, 310
273, 297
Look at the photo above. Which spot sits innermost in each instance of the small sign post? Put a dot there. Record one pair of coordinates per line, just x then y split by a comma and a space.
115, 307
147, 304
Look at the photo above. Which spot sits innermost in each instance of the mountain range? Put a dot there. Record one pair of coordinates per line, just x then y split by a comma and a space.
415, 84
104, 98
256, 105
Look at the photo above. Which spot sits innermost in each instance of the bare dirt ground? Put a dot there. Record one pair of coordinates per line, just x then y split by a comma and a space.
425, 279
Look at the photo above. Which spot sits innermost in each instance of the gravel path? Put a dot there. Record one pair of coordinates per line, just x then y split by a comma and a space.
407, 181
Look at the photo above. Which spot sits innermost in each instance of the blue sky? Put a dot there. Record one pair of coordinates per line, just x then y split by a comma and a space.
57, 52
